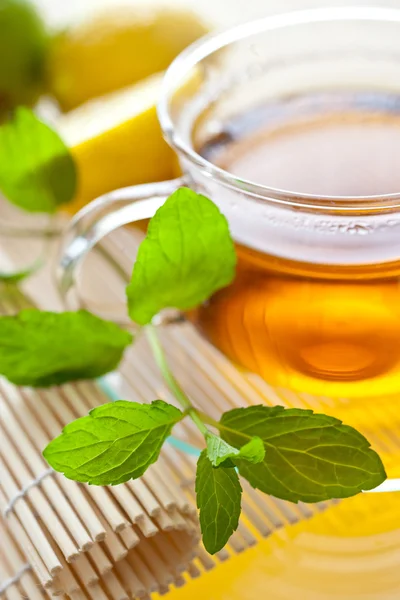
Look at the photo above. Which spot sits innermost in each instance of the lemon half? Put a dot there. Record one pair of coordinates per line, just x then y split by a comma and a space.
116, 49
116, 141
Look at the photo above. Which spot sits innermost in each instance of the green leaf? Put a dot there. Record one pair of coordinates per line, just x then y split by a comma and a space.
219, 451
187, 255
114, 443
253, 451
218, 493
308, 457
44, 348
18, 276
37, 172
23, 46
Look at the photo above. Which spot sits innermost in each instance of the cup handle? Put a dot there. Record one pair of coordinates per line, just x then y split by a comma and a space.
99, 218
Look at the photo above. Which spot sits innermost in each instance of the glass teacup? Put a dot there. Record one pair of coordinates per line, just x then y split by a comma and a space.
291, 125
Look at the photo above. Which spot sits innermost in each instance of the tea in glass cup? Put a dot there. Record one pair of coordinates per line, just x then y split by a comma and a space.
291, 125
304, 322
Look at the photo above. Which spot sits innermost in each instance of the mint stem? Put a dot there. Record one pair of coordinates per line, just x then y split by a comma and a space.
208, 420
177, 391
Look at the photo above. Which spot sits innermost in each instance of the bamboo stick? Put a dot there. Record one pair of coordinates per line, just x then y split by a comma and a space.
114, 587
32, 428
67, 582
24, 514
84, 571
14, 564
130, 580
162, 571
31, 553
134, 559
129, 537
66, 514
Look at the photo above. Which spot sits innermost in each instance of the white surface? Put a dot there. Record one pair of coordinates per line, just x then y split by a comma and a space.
221, 12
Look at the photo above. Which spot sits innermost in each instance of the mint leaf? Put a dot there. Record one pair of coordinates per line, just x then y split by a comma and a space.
218, 493
23, 50
218, 451
18, 276
186, 256
308, 457
44, 348
253, 451
115, 443
15, 277
37, 172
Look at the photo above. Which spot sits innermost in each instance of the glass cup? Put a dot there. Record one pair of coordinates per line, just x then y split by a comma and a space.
290, 125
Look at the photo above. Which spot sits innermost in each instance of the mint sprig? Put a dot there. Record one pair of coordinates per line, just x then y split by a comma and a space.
293, 454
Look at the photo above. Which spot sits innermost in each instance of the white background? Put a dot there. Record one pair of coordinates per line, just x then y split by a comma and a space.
220, 12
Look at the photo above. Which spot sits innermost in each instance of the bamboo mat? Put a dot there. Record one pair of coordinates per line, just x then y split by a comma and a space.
139, 537
120, 542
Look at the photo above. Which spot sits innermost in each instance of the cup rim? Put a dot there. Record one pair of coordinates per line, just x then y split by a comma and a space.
210, 43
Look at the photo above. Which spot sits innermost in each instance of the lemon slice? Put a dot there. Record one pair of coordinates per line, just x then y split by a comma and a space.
116, 49
116, 141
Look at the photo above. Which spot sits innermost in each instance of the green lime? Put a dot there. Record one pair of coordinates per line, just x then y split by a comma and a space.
23, 44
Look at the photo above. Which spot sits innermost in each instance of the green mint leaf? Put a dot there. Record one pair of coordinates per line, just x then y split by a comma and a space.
15, 277
253, 451
218, 451
44, 348
37, 172
18, 276
114, 443
219, 494
187, 255
23, 48
308, 457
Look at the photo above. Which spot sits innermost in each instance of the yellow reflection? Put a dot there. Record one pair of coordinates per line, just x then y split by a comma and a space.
351, 550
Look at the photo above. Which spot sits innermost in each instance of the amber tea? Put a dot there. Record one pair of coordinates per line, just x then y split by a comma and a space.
309, 325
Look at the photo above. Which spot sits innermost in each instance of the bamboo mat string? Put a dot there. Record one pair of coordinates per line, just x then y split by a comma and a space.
15, 579
24, 490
